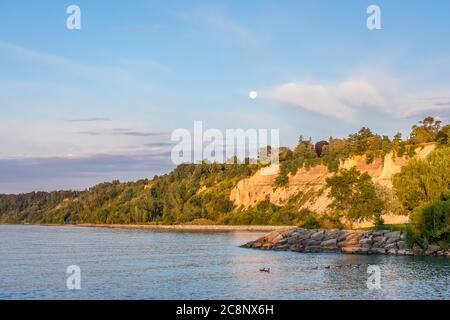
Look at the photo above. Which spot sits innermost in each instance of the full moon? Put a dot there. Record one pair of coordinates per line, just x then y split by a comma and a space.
253, 94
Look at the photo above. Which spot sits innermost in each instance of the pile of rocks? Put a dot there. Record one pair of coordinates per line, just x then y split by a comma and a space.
345, 241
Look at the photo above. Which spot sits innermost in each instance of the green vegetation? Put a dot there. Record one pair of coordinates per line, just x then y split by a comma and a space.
431, 223
200, 193
173, 198
423, 181
354, 195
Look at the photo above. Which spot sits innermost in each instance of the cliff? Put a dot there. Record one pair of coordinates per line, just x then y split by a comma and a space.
311, 183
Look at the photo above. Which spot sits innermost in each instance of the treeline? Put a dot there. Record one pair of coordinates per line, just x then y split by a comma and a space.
190, 192
200, 193
364, 142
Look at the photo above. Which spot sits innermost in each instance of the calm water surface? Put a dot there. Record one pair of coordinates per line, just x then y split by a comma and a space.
148, 264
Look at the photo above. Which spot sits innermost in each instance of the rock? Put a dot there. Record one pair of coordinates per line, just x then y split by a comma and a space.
319, 235
302, 234
353, 236
363, 250
297, 248
417, 251
432, 249
342, 235
278, 238
329, 243
378, 234
331, 234
350, 249
377, 250
392, 251
379, 240
391, 246
366, 241
283, 247
313, 249
352, 243
402, 245
393, 236
311, 242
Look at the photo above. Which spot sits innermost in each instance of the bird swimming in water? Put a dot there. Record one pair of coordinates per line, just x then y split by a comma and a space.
265, 270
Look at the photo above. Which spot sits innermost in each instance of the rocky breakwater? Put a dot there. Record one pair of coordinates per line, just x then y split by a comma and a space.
345, 241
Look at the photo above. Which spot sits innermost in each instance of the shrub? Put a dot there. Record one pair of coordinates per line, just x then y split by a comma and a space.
431, 223
311, 222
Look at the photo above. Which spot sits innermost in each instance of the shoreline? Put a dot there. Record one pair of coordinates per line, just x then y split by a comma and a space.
344, 241
178, 227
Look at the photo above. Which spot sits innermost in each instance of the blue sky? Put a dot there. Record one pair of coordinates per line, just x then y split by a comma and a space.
82, 106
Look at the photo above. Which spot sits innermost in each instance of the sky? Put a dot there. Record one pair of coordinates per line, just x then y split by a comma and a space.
79, 107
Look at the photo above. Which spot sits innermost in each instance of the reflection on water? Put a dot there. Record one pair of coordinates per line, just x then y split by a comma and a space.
146, 264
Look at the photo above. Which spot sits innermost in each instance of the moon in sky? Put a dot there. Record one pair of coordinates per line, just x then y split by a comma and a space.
253, 94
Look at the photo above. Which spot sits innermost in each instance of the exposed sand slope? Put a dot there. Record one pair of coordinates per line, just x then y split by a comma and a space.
311, 183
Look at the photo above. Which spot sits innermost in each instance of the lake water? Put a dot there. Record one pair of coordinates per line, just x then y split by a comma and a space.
148, 264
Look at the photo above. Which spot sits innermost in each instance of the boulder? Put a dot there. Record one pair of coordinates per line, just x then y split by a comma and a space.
351, 243
377, 250
319, 235
342, 235
417, 250
379, 240
313, 249
402, 245
393, 236
392, 251
391, 246
378, 233
432, 248
366, 241
297, 248
303, 234
311, 242
331, 234
329, 243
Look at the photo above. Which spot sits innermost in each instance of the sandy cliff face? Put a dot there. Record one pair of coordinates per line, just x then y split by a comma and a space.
311, 183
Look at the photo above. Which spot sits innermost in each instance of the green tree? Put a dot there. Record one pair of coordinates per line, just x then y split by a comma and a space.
427, 131
354, 195
422, 181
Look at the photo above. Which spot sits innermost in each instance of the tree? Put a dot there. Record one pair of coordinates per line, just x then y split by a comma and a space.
422, 181
427, 131
443, 135
354, 195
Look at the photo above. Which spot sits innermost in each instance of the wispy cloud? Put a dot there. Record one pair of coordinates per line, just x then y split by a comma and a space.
123, 132
49, 173
142, 133
49, 59
93, 119
219, 23
383, 94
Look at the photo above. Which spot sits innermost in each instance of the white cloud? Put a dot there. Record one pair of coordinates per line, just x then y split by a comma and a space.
376, 92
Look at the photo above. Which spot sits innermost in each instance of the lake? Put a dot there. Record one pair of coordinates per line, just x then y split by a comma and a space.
152, 264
